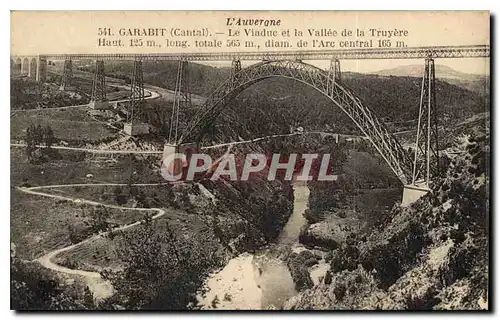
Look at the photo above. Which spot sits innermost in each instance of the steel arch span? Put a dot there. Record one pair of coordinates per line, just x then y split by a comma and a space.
344, 98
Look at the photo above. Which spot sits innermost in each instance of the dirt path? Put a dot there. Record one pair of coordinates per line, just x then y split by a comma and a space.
221, 145
152, 95
99, 287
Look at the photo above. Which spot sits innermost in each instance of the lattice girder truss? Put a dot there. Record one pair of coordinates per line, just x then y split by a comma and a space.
426, 149
383, 141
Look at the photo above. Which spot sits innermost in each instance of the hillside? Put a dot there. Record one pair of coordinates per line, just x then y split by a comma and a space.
417, 70
275, 105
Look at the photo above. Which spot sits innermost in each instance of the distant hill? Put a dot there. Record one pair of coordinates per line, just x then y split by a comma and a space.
417, 70
474, 82
275, 104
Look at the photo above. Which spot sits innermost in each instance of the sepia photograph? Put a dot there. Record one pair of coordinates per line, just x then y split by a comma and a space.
250, 160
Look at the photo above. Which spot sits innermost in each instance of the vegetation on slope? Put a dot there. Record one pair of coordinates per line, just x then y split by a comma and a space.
431, 255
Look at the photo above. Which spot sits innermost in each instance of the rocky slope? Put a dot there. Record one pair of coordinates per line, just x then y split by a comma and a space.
431, 255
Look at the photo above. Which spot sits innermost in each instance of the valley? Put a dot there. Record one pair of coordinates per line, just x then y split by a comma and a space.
93, 216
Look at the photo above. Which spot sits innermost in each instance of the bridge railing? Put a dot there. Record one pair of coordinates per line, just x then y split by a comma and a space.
461, 51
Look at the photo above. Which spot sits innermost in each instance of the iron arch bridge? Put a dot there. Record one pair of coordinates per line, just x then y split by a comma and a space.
326, 82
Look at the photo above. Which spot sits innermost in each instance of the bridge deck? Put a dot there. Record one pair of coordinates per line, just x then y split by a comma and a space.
466, 51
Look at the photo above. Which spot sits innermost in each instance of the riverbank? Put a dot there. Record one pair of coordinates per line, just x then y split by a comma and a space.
261, 280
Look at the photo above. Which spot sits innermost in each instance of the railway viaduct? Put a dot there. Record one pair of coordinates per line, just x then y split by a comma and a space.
415, 170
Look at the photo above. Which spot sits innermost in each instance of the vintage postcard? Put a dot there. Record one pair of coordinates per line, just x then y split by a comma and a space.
250, 160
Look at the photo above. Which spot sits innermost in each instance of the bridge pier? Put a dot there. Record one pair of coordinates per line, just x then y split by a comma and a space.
133, 126
426, 156
334, 75
235, 68
24, 66
136, 129
173, 167
182, 92
425, 164
98, 99
412, 193
33, 67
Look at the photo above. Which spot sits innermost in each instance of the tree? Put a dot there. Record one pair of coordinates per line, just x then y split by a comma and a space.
157, 115
48, 135
160, 271
151, 260
30, 142
120, 198
34, 288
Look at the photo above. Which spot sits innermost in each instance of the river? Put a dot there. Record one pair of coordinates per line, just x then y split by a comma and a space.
261, 280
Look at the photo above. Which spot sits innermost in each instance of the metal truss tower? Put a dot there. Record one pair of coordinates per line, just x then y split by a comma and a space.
182, 99
67, 74
99, 84
235, 68
426, 157
334, 75
136, 93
